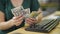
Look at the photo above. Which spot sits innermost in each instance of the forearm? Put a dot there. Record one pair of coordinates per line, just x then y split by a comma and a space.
5, 25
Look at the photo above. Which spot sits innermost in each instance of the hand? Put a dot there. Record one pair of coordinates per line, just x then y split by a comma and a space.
31, 21
17, 20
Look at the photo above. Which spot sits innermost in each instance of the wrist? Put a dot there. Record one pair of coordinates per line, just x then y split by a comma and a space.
10, 23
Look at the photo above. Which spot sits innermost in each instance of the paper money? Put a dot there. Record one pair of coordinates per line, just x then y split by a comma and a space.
20, 10
16, 11
26, 12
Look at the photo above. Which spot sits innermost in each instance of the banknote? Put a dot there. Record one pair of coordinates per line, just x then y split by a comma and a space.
20, 10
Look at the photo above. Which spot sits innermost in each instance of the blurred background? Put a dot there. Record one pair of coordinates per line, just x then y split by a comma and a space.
49, 6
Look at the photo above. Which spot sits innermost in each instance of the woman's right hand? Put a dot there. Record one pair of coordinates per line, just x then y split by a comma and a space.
17, 20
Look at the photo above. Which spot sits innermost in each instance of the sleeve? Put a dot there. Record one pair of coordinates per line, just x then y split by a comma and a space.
34, 5
2, 5
1, 32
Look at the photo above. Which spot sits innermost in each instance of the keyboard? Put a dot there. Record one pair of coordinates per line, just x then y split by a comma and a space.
45, 26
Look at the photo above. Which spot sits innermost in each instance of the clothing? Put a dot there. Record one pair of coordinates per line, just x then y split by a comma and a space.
1, 32
6, 6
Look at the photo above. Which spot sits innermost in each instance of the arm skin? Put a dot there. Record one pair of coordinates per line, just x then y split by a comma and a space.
4, 25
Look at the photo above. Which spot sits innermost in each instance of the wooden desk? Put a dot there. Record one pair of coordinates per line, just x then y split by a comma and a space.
22, 31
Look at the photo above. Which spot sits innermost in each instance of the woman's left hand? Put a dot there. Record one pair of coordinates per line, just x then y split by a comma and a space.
31, 21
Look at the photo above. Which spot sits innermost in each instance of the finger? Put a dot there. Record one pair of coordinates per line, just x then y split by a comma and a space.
33, 19
18, 17
29, 22
18, 23
21, 18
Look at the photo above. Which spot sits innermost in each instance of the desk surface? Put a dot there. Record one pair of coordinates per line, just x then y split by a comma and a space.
22, 31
